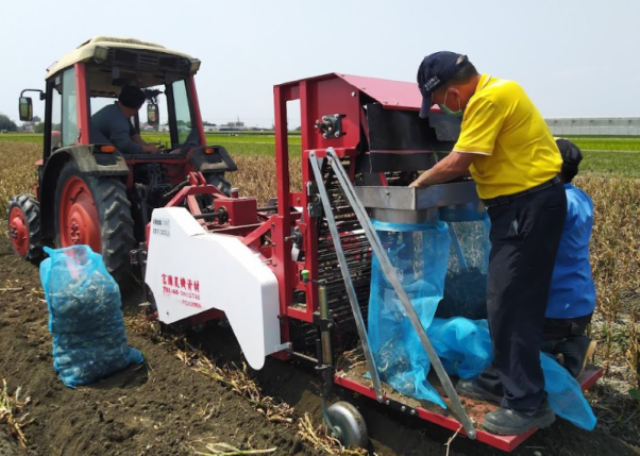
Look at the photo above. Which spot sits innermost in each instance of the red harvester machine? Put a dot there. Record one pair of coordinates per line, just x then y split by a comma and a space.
297, 272
293, 277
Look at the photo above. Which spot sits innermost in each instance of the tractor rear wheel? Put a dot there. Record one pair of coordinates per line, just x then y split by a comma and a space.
25, 229
95, 211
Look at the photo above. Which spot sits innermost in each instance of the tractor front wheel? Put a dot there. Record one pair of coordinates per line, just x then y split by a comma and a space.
95, 211
25, 230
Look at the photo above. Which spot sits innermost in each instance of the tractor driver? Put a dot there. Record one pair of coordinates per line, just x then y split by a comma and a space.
114, 123
507, 147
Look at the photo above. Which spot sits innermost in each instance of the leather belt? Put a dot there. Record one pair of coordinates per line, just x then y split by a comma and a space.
508, 198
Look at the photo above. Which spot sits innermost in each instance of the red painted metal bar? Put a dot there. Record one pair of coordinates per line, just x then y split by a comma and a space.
340, 152
196, 109
182, 194
82, 104
299, 314
589, 377
237, 231
256, 234
311, 235
505, 443
280, 224
193, 180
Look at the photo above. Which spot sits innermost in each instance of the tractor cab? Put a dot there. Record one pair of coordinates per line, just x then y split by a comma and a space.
91, 77
89, 191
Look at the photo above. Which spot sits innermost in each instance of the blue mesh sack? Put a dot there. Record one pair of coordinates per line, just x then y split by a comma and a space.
420, 254
463, 345
465, 290
565, 395
85, 316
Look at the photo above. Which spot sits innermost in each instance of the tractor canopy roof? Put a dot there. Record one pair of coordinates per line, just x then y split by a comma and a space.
148, 61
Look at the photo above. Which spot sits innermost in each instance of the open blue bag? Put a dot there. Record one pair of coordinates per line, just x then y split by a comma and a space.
464, 346
420, 254
465, 286
565, 395
85, 316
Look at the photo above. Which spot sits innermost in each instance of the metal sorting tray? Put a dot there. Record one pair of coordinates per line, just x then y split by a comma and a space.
418, 205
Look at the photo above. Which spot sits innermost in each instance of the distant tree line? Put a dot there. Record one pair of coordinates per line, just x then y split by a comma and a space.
7, 124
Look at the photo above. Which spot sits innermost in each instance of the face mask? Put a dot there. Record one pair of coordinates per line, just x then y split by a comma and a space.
443, 107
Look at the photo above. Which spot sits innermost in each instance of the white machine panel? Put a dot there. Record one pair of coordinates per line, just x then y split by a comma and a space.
191, 271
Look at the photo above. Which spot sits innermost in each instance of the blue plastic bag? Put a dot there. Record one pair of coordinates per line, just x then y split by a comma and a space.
465, 290
565, 395
85, 316
463, 345
420, 254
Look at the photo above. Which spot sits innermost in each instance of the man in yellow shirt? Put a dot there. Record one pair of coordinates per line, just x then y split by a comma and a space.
507, 147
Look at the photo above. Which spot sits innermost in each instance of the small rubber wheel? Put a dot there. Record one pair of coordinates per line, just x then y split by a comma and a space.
25, 227
348, 425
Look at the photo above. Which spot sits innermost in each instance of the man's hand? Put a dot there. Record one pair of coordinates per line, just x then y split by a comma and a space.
150, 149
455, 165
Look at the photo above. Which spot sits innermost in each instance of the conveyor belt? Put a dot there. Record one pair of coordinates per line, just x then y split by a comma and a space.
358, 253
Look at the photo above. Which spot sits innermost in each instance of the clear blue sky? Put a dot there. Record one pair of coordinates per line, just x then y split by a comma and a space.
574, 58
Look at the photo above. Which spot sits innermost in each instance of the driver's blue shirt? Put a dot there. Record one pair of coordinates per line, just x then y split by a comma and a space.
112, 124
572, 293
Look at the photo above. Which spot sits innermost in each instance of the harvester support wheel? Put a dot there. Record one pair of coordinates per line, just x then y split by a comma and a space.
95, 211
348, 425
25, 227
220, 182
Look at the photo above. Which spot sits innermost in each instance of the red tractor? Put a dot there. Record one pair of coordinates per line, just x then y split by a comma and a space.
90, 193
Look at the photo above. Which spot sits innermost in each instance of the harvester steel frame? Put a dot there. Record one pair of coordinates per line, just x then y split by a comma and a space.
394, 96
295, 228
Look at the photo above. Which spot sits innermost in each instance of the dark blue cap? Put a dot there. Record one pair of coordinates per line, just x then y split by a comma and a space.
435, 70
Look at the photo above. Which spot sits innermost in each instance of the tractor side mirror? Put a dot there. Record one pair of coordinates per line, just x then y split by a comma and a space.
25, 107
153, 114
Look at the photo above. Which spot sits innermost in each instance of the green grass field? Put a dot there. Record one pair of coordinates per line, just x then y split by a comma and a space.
607, 143
602, 154
246, 144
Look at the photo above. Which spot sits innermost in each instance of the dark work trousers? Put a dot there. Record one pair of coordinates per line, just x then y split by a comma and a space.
525, 234
566, 337
563, 328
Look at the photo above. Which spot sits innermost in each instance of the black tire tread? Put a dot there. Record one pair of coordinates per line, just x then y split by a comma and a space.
116, 228
30, 207
116, 223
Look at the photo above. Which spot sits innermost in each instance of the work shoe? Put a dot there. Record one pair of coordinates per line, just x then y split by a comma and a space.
512, 422
473, 390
